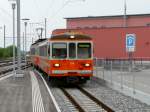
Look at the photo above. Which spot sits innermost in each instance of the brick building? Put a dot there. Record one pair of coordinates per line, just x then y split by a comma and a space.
109, 34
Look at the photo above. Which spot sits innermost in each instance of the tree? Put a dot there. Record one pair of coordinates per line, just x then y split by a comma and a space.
7, 52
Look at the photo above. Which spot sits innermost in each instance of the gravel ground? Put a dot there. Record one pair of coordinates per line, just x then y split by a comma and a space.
61, 99
117, 101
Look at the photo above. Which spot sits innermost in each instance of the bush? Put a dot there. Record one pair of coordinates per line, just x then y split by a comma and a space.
7, 52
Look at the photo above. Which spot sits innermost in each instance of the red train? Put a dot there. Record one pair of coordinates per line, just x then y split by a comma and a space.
65, 56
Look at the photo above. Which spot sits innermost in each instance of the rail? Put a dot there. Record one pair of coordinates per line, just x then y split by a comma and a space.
79, 107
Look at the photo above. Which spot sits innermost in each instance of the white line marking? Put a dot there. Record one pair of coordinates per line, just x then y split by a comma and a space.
37, 102
5, 77
50, 93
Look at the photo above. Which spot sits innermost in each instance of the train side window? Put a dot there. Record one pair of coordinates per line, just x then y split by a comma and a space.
43, 50
32, 51
49, 48
72, 50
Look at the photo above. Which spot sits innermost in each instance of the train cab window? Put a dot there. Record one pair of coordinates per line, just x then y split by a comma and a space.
84, 50
72, 50
59, 50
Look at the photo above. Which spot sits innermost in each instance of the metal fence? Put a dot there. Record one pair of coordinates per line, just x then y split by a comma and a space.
133, 75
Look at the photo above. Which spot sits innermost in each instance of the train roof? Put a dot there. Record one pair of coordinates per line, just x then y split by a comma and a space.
39, 40
64, 36
70, 35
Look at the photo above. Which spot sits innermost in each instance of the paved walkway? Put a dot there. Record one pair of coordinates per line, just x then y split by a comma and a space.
27, 94
15, 94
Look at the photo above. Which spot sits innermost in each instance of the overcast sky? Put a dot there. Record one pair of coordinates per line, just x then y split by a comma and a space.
56, 10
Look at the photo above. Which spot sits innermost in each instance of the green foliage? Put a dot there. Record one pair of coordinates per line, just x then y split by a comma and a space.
7, 52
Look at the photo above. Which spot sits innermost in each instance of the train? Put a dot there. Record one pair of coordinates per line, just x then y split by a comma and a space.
67, 56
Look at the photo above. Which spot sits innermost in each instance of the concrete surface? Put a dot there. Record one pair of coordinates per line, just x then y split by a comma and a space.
20, 94
15, 95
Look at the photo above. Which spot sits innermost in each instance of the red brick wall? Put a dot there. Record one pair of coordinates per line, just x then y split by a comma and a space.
110, 42
108, 22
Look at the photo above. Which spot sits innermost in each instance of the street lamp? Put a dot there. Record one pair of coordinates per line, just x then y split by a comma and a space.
19, 72
25, 36
14, 60
13, 11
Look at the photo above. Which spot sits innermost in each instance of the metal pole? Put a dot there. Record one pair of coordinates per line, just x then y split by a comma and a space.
45, 28
111, 72
121, 72
133, 82
4, 35
32, 40
125, 13
14, 61
18, 37
23, 46
104, 69
96, 66
25, 23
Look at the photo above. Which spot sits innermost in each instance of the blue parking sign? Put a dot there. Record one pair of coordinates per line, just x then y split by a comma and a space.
130, 42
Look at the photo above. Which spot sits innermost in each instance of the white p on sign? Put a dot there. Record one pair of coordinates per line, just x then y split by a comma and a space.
130, 42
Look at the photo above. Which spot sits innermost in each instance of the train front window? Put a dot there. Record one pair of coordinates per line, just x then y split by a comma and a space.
59, 50
72, 50
84, 50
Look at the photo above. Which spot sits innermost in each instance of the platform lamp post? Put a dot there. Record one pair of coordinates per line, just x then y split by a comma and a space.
25, 36
14, 60
13, 11
4, 33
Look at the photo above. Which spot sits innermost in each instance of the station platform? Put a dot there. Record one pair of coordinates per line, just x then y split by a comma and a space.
25, 94
135, 84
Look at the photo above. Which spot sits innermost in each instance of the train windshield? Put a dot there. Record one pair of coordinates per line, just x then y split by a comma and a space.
59, 50
84, 50
72, 50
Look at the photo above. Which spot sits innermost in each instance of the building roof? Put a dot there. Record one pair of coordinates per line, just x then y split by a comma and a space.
111, 16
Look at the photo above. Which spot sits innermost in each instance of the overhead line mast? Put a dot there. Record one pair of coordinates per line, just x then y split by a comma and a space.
125, 13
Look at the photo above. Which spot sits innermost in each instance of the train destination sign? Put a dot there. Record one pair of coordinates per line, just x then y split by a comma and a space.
130, 42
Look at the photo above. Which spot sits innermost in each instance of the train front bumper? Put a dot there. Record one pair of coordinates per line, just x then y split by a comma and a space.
72, 73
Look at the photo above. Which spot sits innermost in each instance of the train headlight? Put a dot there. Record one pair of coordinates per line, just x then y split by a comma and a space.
87, 65
72, 36
56, 65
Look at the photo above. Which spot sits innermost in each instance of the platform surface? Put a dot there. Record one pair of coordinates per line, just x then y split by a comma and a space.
22, 94
15, 94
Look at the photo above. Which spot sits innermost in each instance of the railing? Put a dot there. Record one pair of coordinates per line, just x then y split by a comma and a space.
132, 74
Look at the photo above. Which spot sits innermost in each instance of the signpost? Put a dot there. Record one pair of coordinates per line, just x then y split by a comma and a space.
130, 42
130, 48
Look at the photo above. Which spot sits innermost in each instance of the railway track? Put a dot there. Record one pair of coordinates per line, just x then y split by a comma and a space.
8, 63
11, 69
83, 101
